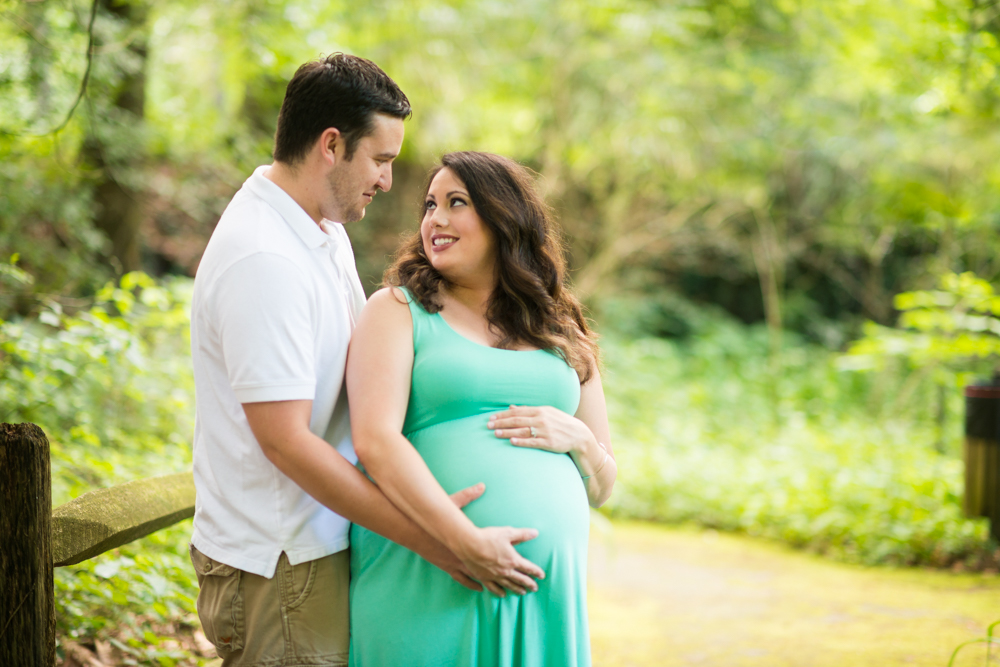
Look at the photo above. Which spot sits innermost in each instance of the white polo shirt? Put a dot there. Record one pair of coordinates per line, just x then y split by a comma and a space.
275, 302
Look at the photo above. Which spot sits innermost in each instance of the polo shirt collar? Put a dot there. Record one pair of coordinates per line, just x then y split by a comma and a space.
287, 208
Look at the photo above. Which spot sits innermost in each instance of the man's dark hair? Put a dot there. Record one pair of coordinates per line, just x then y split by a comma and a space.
340, 91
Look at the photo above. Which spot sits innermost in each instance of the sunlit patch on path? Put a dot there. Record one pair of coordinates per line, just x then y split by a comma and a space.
666, 596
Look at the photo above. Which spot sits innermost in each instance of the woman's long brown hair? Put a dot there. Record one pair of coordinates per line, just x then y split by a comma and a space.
530, 304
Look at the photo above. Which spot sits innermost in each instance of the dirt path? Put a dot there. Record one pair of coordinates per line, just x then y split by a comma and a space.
667, 596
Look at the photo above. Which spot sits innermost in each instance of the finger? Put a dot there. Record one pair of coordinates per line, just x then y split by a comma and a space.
510, 413
518, 535
515, 412
468, 582
509, 422
531, 443
468, 494
525, 566
522, 582
519, 432
513, 586
496, 590
505, 414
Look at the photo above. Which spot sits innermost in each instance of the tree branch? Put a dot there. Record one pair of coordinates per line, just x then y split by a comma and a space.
83, 84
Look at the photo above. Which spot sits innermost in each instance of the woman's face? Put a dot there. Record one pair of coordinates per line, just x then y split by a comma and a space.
456, 241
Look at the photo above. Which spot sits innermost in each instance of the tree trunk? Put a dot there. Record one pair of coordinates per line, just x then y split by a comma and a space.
27, 608
115, 150
769, 262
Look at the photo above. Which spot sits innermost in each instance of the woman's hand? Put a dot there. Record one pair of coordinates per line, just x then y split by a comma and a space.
543, 428
490, 557
555, 431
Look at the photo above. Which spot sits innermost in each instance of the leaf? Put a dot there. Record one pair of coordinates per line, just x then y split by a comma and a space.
108, 568
49, 318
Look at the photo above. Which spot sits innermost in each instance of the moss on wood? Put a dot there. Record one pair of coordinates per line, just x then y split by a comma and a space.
104, 519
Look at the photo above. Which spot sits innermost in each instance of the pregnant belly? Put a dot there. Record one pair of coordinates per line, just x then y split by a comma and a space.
525, 488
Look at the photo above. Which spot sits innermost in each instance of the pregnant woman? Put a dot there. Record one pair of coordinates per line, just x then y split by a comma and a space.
478, 366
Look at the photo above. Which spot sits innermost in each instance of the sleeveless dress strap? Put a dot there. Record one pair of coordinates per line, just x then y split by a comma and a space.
423, 322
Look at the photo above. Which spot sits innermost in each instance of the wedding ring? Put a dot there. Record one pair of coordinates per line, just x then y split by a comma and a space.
534, 434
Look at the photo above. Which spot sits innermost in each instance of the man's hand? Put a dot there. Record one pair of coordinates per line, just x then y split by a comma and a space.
491, 558
494, 561
468, 494
441, 557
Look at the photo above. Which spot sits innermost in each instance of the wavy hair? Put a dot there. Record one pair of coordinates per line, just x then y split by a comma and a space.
531, 304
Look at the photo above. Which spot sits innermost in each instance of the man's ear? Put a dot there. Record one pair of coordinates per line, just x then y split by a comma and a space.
331, 145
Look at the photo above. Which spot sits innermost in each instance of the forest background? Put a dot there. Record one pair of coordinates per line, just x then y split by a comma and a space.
781, 214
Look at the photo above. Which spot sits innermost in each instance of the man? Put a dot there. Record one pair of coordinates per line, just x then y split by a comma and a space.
275, 301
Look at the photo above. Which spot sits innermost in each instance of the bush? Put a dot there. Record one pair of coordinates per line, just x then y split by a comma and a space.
708, 432
708, 429
112, 387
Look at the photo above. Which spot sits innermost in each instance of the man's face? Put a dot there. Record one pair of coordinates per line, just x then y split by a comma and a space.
353, 183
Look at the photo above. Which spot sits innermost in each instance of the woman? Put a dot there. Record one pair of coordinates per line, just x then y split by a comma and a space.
478, 319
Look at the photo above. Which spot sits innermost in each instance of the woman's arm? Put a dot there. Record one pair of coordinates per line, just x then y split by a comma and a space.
586, 436
379, 367
598, 466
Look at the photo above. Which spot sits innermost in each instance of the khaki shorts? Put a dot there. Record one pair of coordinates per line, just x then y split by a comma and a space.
298, 618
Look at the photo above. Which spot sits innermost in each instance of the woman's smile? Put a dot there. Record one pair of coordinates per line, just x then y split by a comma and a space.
440, 242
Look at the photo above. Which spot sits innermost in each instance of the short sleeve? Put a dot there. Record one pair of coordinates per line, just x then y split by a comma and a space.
264, 309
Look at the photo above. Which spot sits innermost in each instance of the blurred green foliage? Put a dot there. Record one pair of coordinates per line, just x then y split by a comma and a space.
789, 160
956, 326
705, 431
814, 456
112, 387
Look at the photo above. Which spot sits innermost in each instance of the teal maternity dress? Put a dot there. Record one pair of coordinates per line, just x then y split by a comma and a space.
406, 612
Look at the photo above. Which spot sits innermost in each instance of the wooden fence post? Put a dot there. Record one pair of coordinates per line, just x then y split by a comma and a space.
27, 608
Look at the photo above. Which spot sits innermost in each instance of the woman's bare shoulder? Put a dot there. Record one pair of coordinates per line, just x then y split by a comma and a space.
388, 299
386, 312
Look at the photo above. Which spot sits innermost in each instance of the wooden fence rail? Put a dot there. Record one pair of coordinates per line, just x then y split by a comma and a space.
34, 538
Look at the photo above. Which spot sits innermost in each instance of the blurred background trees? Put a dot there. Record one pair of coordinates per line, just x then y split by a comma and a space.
795, 163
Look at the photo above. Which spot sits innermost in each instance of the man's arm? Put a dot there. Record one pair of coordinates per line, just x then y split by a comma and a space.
282, 429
